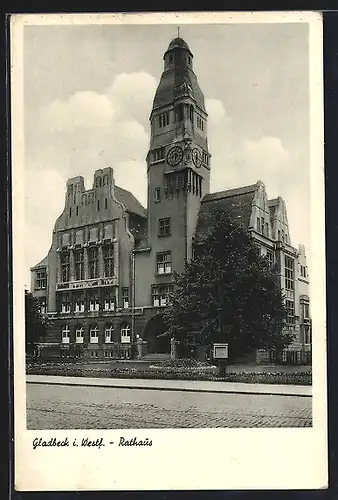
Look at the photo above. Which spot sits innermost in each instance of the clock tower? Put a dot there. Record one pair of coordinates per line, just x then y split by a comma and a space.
178, 161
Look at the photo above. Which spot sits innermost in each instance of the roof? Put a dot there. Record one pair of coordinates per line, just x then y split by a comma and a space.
229, 193
236, 202
129, 201
178, 43
178, 81
42, 263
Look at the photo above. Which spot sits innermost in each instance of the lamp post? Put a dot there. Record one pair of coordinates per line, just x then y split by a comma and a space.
132, 345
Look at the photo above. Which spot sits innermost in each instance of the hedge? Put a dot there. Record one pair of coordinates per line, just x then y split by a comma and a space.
175, 373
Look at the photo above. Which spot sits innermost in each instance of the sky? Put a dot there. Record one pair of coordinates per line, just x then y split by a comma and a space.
88, 92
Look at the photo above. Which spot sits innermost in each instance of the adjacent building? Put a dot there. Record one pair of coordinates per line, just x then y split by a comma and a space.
109, 271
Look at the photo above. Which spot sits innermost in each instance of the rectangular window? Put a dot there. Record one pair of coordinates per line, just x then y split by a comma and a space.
269, 255
65, 334
303, 271
262, 225
125, 334
267, 229
93, 263
290, 312
258, 224
164, 227
65, 303
105, 203
158, 154
79, 335
65, 266
109, 301
43, 305
108, 260
79, 302
163, 263
94, 304
289, 273
94, 335
125, 297
306, 311
157, 194
108, 335
164, 119
161, 294
79, 265
41, 280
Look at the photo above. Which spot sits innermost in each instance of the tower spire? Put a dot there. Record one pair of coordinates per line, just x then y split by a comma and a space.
178, 31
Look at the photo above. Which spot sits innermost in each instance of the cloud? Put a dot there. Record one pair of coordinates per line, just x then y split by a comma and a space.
81, 110
215, 110
132, 95
90, 130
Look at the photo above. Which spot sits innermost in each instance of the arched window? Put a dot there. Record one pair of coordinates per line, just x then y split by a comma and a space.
94, 335
65, 334
79, 334
125, 333
108, 334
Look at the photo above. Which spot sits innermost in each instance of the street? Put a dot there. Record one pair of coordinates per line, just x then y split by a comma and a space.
77, 407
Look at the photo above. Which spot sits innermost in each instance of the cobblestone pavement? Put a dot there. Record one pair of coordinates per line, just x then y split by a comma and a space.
65, 407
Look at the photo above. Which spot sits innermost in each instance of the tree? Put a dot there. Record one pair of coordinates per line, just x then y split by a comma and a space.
227, 293
36, 324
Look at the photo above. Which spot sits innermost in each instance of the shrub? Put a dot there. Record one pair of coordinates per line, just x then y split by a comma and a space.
200, 371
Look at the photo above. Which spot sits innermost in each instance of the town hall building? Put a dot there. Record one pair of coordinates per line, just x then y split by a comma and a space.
109, 271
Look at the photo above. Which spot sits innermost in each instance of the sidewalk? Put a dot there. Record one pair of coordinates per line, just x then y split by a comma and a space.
175, 385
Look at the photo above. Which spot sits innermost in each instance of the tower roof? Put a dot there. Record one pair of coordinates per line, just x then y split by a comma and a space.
178, 43
178, 80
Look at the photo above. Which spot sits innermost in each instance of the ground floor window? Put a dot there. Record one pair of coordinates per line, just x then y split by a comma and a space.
94, 354
65, 334
94, 335
125, 334
108, 334
79, 335
108, 354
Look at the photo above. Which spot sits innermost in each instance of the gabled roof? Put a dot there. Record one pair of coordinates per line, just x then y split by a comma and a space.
42, 263
236, 202
129, 201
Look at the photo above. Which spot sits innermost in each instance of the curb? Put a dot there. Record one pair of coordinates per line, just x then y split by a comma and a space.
172, 389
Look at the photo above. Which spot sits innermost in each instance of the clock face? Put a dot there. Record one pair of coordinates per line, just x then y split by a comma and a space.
197, 157
175, 155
